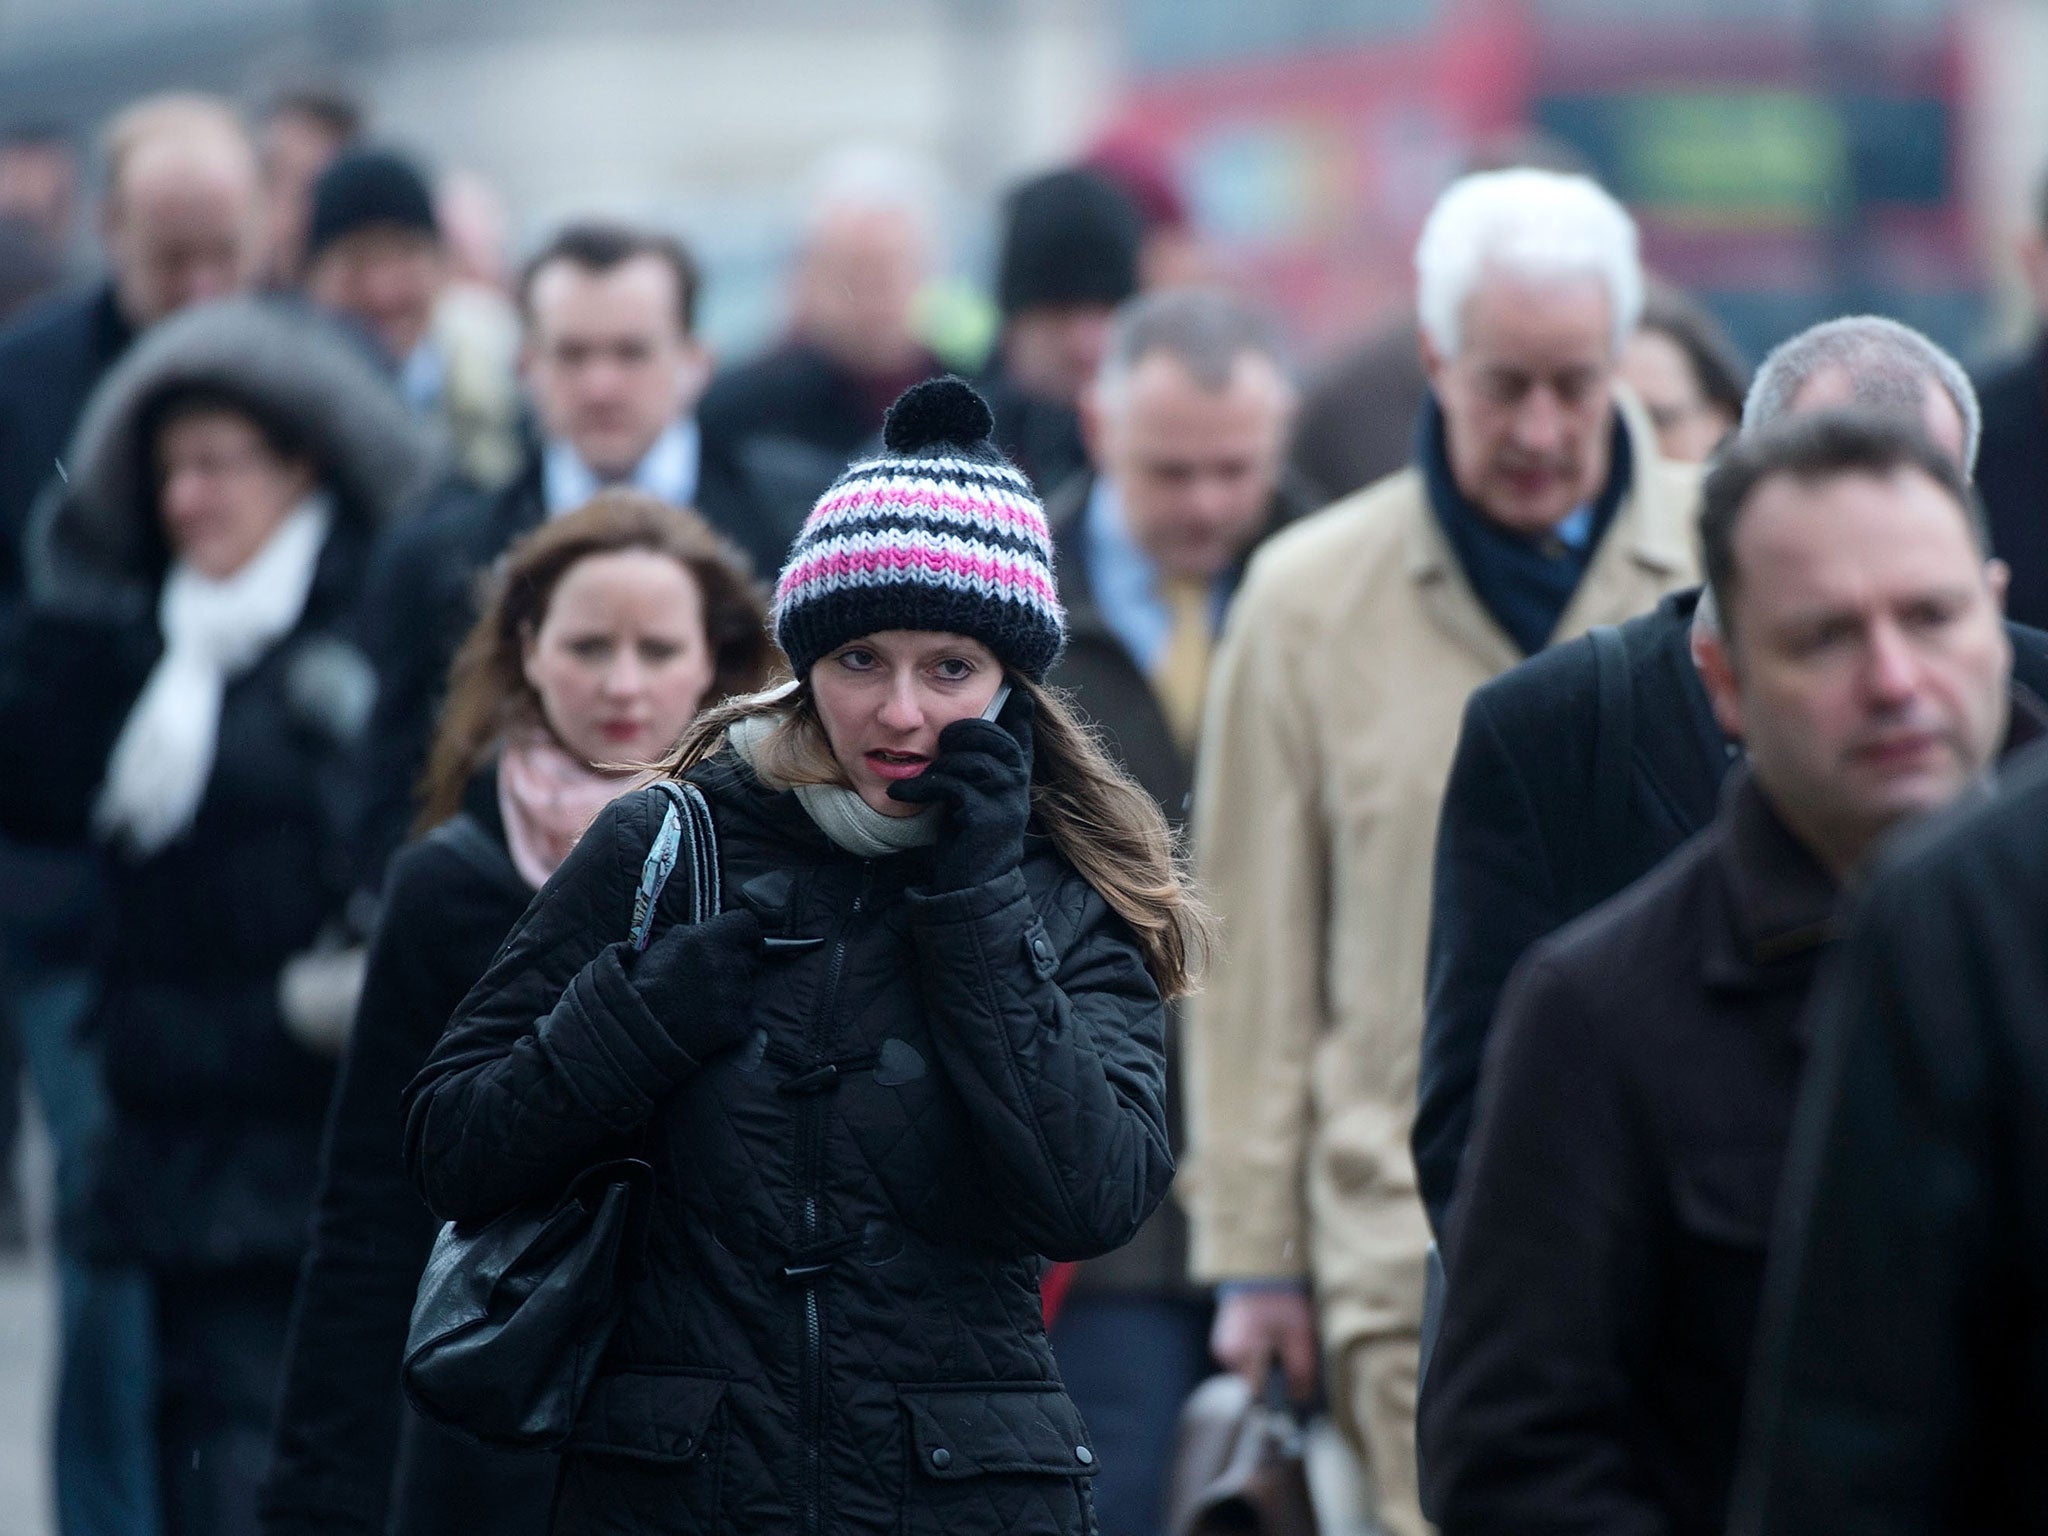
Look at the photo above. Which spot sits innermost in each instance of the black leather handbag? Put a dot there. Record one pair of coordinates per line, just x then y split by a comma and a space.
513, 1315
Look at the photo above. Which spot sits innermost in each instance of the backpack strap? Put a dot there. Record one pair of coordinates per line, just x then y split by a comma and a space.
687, 835
1613, 741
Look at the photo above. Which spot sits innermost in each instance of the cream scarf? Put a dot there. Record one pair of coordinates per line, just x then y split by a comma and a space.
841, 814
213, 632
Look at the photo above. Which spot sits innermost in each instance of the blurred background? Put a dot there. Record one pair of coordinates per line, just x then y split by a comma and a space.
1786, 159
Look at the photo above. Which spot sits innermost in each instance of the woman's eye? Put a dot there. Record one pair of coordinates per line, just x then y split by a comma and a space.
590, 650
656, 652
955, 670
857, 659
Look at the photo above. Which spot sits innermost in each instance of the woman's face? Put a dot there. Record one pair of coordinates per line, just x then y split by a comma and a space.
1689, 425
223, 491
885, 697
621, 661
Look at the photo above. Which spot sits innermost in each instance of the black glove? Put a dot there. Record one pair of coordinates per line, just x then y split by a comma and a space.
697, 979
982, 779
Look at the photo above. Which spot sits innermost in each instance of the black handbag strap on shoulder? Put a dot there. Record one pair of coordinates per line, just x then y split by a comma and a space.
513, 1317
686, 836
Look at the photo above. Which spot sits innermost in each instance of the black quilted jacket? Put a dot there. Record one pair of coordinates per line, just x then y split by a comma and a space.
837, 1327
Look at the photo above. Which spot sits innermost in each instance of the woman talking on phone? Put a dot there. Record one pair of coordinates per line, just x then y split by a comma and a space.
918, 1047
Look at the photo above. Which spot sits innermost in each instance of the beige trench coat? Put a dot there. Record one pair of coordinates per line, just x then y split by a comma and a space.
1333, 713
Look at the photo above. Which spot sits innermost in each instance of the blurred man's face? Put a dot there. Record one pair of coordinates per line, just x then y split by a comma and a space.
295, 149
1193, 467
385, 277
39, 183
1053, 351
856, 286
1689, 425
182, 227
1528, 400
1939, 418
1861, 658
607, 359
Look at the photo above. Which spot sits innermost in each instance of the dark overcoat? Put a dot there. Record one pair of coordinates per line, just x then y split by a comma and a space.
1530, 836
1902, 1378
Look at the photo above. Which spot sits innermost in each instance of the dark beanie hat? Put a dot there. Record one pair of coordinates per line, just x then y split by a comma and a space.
366, 188
1071, 237
939, 533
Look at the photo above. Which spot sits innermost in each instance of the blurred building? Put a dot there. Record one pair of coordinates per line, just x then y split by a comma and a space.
698, 115
1788, 158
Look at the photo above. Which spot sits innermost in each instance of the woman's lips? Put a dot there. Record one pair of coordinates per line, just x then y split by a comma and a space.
895, 765
621, 731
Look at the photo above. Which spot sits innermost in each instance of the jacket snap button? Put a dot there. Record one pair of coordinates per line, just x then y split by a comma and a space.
1084, 1456
942, 1458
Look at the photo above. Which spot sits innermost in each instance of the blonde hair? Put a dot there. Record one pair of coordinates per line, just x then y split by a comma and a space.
1108, 828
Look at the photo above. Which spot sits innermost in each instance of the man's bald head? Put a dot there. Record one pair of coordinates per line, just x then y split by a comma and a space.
182, 221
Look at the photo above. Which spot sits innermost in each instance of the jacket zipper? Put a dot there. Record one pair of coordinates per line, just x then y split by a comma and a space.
811, 1134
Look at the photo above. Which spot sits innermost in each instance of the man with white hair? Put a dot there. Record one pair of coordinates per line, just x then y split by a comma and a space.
1578, 772
1537, 507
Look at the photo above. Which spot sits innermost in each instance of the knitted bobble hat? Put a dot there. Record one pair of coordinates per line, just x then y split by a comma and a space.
940, 533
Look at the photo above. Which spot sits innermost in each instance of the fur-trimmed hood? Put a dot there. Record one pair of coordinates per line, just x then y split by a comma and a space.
101, 526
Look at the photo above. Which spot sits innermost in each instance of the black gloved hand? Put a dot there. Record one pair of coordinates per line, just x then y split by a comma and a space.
697, 979
982, 779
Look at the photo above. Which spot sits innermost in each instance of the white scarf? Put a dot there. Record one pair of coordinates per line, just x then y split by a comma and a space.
213, 631
841, 814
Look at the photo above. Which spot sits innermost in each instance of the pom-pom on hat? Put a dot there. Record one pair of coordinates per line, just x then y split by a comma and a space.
940, 533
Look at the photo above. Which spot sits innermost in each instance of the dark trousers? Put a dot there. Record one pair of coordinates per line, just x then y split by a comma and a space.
1129, 1362
221, 1339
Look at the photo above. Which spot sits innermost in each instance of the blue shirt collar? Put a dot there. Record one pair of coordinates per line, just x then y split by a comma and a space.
669, 471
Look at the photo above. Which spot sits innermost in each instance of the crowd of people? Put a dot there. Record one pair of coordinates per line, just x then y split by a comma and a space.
1492, 891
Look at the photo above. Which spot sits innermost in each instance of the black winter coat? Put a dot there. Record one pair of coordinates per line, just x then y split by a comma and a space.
209, 1157
2012, 477
343, 1425
837, 1325
1902, 1378
1607, 1251
1529, 840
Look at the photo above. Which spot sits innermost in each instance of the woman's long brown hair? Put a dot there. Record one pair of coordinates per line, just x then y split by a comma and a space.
1108, 828
488, 694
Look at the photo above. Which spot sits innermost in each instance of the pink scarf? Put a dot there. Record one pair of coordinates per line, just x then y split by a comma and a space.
547, 798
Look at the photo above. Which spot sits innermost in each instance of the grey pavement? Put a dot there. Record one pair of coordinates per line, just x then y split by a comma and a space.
27, 1334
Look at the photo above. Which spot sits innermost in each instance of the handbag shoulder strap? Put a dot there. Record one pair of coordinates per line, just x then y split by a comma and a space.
686, 836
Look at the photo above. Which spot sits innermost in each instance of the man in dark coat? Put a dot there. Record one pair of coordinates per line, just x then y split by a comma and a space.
615, 371
1069, 257
817, 397
1187, 426
1606, 1253
180, 227
1579, 771
1902, 1379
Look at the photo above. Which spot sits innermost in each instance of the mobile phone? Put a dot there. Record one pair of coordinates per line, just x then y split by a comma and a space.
995, 705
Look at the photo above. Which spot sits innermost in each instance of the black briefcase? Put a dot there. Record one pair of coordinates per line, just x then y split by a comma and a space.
513, 1316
